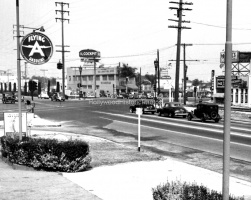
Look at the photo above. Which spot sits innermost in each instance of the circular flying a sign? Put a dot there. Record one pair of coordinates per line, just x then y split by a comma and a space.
36, 48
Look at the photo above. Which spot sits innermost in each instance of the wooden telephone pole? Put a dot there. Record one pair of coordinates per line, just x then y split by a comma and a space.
179, 14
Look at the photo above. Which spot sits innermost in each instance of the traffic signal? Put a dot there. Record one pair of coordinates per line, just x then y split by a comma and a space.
154, 87
59, 65
34, 85
30, 85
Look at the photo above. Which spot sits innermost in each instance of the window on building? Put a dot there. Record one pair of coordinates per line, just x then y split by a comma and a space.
84, 78
97, 78
111, 77
69, 78
90, 78
74, 78
104, 77
97, 87
89, 86
84, 86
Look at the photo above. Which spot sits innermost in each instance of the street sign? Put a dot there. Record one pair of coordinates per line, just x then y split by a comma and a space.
139, 111
89, 53
36, 48
235, 57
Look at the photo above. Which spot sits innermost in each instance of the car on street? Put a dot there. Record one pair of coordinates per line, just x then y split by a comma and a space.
145, 105
16, 97
57, 96
8, 98
122, 96
172, 109
43, 95
205, 111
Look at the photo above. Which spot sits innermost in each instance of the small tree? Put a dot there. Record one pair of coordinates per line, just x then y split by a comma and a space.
58, 87
1, 87
9, 86
39, 88
15, 87
49, 89
5, 87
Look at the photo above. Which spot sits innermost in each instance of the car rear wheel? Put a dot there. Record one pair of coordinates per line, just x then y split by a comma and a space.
172, 115
216, 120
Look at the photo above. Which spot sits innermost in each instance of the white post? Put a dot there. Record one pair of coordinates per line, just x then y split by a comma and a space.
234, 96
239, 96
249, 86
138, 132
139, 112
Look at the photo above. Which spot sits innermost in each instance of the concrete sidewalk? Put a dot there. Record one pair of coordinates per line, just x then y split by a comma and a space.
133, 180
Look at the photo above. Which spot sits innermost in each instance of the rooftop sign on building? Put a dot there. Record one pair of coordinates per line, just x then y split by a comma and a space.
89, 53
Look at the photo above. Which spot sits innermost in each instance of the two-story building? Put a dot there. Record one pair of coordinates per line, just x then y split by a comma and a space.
107, 80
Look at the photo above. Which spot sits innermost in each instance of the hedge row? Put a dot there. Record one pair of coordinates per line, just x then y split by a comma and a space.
186, 191
47, 154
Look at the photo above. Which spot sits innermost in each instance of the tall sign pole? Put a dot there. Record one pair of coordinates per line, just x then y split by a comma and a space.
227, 104
19, 72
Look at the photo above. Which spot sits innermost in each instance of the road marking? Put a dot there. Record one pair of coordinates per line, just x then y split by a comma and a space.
177, 124
182, 133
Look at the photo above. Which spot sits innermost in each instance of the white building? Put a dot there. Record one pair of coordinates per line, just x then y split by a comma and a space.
107, 81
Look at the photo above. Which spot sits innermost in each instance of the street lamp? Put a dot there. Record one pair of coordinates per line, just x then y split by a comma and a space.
80, 85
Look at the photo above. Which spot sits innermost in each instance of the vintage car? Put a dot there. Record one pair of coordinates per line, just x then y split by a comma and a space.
57, 96
16, 97
172, 109
8, 98
145, 105
205, 111
43, 95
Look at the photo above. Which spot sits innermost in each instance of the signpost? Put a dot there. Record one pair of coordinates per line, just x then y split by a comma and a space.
139, 112
92, 56
36, 48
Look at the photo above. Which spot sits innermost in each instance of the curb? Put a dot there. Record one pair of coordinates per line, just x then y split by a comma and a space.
16, 166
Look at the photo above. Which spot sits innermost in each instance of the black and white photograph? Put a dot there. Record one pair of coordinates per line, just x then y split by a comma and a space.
125, 100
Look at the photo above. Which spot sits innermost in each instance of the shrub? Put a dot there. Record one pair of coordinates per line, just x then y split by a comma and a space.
47, 154
186, 191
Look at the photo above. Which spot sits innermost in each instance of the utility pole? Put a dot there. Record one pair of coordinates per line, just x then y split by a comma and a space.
179, 27
158, 72
62, 11
19, 72
185, 71
227, 103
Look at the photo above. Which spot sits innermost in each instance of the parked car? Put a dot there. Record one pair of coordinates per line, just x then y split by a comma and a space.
8, 98
43, 95
16, 97
57, 96
205, 111
172, 109
146, 107
131, 96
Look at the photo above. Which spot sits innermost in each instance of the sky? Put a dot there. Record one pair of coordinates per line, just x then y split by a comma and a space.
127, 31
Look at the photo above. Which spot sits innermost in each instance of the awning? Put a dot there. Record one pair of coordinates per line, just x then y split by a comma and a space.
133, 87
218, 95
120, 87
